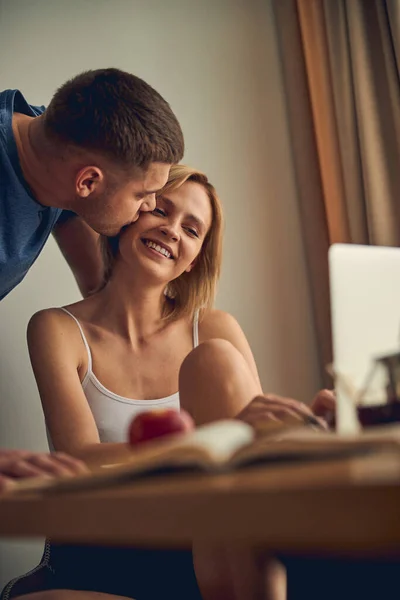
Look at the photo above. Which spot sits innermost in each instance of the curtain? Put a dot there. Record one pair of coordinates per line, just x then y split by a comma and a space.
340, 67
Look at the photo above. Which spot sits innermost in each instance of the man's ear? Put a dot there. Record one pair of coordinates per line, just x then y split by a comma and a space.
88, 180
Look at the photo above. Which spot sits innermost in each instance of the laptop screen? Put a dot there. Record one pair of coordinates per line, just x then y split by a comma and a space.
365, 302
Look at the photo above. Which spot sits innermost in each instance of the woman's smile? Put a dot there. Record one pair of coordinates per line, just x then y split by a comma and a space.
158, 248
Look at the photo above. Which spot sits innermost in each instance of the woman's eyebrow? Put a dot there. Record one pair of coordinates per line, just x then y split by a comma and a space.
165, 199
200, 224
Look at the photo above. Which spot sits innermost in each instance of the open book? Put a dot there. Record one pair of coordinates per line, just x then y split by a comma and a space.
223, 446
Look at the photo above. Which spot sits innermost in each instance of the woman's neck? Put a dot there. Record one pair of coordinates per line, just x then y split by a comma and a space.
132, 308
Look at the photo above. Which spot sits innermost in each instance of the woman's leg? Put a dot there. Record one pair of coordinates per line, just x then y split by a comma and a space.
215, 382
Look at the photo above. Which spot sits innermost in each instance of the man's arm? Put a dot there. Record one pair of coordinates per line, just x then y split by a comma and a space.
80, 246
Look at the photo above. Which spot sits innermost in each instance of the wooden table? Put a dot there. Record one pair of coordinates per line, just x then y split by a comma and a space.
345, 511
348, 507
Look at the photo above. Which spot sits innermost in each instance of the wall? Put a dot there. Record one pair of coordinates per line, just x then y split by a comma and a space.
216, 62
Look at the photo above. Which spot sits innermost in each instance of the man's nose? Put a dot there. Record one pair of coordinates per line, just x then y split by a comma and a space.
149, 203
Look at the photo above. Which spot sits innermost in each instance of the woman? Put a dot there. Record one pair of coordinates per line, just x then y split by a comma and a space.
149, 332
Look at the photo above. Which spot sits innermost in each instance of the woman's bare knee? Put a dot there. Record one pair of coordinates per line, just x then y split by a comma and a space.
211, 354
215, 381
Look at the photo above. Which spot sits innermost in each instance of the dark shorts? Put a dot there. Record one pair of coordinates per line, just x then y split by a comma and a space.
137, 573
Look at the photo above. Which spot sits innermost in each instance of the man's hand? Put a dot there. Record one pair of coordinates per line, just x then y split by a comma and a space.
19, 464
269, 411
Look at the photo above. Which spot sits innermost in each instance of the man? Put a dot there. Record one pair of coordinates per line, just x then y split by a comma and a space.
88, 164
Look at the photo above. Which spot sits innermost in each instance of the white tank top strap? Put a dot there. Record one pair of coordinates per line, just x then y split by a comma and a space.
89, 367
196, 329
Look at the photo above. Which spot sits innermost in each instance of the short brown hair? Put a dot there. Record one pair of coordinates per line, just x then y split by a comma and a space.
116, 114
194, 289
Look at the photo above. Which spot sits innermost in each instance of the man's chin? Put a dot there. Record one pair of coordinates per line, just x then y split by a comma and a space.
104, 230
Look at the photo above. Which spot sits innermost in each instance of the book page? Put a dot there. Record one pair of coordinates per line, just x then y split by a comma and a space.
204, 448
305, 443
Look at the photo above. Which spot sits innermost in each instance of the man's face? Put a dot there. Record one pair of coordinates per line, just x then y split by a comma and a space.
109, 208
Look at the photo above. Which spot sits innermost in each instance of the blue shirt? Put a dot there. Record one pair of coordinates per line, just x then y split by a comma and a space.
25, 224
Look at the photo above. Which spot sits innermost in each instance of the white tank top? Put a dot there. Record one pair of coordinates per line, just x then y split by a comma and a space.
112, 413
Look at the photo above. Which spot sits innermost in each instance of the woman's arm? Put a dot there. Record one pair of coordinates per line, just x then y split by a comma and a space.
57, 356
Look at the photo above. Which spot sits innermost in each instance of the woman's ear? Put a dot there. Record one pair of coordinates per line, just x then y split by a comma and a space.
190, 267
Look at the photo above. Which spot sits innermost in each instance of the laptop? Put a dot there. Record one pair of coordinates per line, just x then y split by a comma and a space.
365, 303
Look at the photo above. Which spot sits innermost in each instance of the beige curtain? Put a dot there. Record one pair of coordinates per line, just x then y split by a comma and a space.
340, 64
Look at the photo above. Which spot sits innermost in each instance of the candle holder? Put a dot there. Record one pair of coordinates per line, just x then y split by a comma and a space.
388, 412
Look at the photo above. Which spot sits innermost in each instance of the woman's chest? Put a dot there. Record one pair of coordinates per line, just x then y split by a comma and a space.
149, 371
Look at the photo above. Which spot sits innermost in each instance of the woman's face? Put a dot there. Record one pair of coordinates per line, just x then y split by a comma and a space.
167, 240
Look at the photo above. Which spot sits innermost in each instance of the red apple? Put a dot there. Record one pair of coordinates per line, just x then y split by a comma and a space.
157, 423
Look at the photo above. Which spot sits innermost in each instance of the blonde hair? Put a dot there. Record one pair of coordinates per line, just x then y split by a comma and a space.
195, 289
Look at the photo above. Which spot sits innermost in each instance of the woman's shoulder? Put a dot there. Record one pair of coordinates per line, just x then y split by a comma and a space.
60, 316
49, 316
50, 323
214, 323
54, 339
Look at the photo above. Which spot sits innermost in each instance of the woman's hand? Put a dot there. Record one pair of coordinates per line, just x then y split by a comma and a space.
19, 464
324, 405
269, 410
